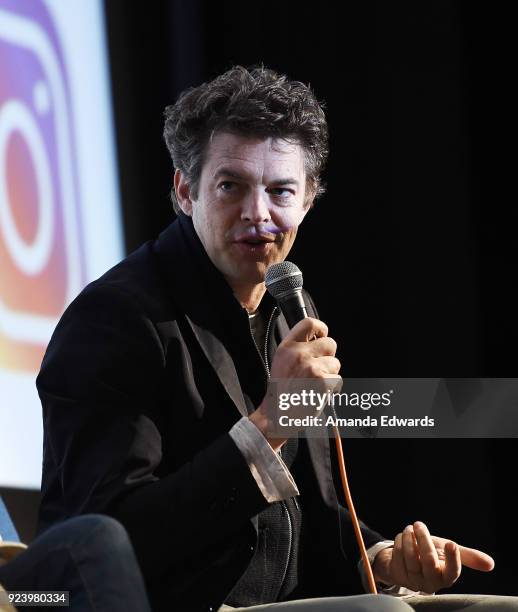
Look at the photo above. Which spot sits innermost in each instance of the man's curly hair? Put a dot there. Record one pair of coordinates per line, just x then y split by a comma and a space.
254, 102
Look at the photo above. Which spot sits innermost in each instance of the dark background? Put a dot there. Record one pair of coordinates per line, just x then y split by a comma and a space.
411, 254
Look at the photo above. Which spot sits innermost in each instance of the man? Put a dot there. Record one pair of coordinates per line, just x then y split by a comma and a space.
153, 383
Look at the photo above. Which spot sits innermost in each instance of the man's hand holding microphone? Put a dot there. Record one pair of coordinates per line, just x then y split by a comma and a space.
307, 352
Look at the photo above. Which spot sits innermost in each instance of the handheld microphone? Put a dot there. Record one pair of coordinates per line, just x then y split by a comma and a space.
284, 283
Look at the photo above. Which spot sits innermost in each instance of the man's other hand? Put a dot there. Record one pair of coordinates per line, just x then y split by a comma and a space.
422, 562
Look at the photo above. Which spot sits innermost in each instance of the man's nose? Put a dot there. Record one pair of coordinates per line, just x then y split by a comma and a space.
255, 208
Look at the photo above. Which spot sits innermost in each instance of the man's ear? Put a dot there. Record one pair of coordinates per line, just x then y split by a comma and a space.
183, 192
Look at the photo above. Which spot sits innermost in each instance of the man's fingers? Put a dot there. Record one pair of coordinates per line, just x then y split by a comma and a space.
410, 551
326, 365
452, 564
411, 559
476, 559
322, 346
426, 547
307, 329
470, 557
430, 563
397, 564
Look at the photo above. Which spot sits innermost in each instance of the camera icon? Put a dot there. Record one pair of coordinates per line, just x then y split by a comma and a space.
42, 264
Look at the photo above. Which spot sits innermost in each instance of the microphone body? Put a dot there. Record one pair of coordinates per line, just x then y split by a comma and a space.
293, 307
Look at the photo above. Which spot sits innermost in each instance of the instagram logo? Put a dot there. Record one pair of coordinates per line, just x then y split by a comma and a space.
41, 252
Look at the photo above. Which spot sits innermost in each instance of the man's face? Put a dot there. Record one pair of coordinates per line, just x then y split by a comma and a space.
251, 200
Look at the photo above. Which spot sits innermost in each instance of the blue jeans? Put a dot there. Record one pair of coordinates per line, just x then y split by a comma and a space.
91, 557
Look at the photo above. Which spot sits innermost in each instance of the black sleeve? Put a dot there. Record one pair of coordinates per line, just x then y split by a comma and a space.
102, 445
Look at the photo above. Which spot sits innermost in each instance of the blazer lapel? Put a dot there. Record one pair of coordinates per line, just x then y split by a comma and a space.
222, 363
202, 297
320, 454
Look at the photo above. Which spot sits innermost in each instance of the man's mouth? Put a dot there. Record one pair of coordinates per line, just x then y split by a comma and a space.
253, 238
257, 245
255, 241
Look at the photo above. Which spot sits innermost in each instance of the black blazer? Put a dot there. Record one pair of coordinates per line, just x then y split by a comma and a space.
146, 372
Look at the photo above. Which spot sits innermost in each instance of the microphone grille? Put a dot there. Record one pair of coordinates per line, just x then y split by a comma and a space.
283, 277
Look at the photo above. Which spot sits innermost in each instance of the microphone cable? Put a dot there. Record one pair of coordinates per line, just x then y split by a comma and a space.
350, 506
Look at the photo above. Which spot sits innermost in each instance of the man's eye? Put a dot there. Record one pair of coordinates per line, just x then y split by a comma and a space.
281, 191
227, 185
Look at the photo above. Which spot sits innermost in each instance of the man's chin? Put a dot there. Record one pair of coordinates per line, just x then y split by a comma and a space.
251, 272
255, 271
